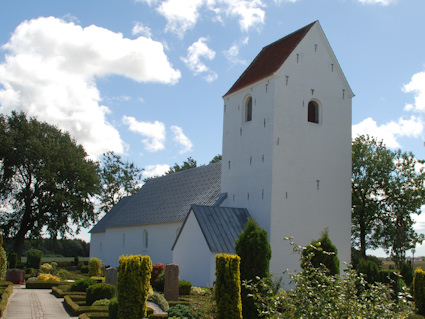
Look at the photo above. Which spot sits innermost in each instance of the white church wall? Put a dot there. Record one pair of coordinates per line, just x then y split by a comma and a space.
193, 255
120, 241
312, 163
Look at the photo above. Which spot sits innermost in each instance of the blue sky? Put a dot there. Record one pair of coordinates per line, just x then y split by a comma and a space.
144, 78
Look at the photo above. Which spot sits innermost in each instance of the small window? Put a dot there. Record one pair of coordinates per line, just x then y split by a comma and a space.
248, 109
313, 112
145, 239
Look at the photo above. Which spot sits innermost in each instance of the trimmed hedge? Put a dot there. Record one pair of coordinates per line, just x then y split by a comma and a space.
100, 291
6, 288
184, 287
134, 274
42, 284
94, 315
228, 287
76, 310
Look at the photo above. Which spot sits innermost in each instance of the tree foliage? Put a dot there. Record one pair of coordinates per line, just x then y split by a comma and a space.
46, 180
253, 248
118, 179
387, 188
189, 163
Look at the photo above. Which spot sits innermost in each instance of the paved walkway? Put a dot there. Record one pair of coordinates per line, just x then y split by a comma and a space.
34, 304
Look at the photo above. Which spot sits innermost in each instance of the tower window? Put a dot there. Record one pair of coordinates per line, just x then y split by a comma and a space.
313, 112
248, 109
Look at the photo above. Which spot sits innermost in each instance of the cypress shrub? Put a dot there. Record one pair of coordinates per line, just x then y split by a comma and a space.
407, 272
419, 290
253, 248
324, 252
100, 291
95, 266
228, 287
34, 258
3, 260
134, 274
370, 271
12, 260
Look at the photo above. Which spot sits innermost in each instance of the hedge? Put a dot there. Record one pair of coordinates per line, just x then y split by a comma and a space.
59, 292
94, 315
42, 284
77, 310
7, 288
419, 290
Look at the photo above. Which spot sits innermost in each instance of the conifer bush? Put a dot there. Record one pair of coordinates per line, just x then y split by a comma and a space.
134, 274
12, 260
34, 258
100, 291
228, 287
419, 290
95, 267
3, 260
253, 248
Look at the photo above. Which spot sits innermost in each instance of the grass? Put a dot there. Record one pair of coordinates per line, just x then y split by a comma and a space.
49, 259
387, 264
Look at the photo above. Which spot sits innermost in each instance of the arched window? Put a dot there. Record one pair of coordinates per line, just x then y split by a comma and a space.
248, 109
313, 112
145, 239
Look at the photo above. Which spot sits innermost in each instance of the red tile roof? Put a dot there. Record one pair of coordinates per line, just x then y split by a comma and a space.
270, 59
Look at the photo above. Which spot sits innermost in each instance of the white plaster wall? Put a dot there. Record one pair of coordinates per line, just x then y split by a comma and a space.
120, 241
297, 153
96, 245
193, 255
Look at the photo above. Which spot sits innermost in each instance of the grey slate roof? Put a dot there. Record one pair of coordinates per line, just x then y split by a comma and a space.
167, 198
101, 225
221, 226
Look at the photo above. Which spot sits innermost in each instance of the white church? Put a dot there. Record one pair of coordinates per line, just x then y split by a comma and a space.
286, 162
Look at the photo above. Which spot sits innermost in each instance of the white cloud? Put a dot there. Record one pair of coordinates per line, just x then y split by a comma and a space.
382, 2
232, 54
182, 139
182, 16
140, 29
153, 133
416, 86
389, 132
155, 170
195, 52
50, 70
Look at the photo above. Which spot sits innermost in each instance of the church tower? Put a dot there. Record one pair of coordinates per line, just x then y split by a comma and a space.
287, 145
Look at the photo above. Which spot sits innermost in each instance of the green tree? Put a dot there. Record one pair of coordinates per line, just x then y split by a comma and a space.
387, 189
372, 166
216, 159
189, 163
46, 181
118, 179
404, 197
253, 248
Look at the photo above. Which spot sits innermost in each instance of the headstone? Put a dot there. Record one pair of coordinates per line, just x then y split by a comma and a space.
111, 276
17, 276
171, 283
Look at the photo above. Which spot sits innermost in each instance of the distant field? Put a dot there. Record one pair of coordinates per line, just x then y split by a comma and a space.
49, 259
416, 264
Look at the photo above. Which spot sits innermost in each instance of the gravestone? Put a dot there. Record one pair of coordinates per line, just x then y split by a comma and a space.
15, 275
111, 276
171, 283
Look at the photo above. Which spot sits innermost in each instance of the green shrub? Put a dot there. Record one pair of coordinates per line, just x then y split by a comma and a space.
159, 282
101, 302
181, 311
134, 274
370, 271
3, 260
64, 274
12, 260
84, 269
157, 269
34, 258
184, 287
323, 252
81, 285
406, 272
113, 308
419, 290
228, 287
100, 291
253, 248
159, 300
95, 267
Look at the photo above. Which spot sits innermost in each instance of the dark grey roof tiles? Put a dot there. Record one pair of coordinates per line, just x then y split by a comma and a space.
168, 198
221, 226
102, 224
